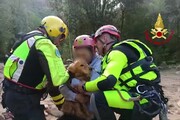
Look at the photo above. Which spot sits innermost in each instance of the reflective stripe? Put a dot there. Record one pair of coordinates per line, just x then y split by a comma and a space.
20, 63
59, 102
34, 31
30, 42
13, 57
16, 62
60, 96
17, 73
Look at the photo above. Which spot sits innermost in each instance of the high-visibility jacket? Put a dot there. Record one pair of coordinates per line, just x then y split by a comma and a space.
127, 64
36, 63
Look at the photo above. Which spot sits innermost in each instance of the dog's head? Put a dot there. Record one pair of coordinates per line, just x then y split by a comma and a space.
80, 69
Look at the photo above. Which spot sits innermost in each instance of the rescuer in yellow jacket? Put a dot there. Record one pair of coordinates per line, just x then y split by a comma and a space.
129, 80
34, 67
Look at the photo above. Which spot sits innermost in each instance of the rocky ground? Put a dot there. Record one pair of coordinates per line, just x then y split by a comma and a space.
171, 85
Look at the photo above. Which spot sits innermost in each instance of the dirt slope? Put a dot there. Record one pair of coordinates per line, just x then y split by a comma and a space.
171, 85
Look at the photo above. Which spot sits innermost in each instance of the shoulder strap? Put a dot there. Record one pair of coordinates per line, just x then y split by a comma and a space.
143, 47
23, 38
131, 53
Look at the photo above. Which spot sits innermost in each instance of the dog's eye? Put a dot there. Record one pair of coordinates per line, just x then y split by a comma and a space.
81, 65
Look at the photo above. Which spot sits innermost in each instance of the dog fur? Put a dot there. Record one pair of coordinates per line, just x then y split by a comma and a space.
75, 110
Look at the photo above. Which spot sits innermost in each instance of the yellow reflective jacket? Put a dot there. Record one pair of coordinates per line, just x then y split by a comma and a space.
35, 62
126, 64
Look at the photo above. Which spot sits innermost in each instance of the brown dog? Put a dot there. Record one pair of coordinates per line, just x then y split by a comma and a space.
76, 110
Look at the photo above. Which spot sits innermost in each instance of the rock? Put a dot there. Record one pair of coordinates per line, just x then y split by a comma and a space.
178, 90
178, 72
1, 66
1, 72
170, 105
178, 112
178, 67
172, 62
164, 64
170, 112
178, 103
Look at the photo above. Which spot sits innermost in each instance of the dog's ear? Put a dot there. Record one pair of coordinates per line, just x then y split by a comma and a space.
71, 68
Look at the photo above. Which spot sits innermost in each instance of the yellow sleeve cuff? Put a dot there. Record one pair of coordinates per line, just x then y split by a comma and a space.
91, 86
60, 96
59, 102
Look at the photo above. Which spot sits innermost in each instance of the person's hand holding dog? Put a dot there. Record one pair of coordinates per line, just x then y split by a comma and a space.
79, 88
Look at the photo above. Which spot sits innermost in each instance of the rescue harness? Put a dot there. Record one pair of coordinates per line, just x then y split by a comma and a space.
145, 89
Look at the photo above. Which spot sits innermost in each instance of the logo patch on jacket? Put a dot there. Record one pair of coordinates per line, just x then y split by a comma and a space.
58, 53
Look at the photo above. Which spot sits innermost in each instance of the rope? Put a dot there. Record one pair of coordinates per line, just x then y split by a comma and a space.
132, 99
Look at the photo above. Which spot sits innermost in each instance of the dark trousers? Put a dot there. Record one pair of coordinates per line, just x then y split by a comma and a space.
24, 106
105, 112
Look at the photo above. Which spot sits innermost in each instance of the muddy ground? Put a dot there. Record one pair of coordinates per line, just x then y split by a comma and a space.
171, 84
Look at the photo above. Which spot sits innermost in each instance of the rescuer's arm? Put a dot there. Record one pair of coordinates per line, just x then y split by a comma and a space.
116, 62
53, 68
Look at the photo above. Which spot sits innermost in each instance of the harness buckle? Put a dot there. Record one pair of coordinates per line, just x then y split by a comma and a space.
140, 91
150, 59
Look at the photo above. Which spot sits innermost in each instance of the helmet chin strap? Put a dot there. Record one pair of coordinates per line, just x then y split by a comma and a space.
104, 49
43, 30
105, 45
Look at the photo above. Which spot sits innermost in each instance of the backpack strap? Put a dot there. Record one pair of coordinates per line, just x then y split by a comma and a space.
24, 38
133, 55
143, 47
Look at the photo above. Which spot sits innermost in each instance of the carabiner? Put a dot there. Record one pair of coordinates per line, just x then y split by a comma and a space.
138, 89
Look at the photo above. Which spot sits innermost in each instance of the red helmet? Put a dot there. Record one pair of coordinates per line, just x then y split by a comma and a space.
107, 29
84, 41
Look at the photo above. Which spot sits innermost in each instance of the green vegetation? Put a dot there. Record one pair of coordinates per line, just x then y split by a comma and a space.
132, 17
